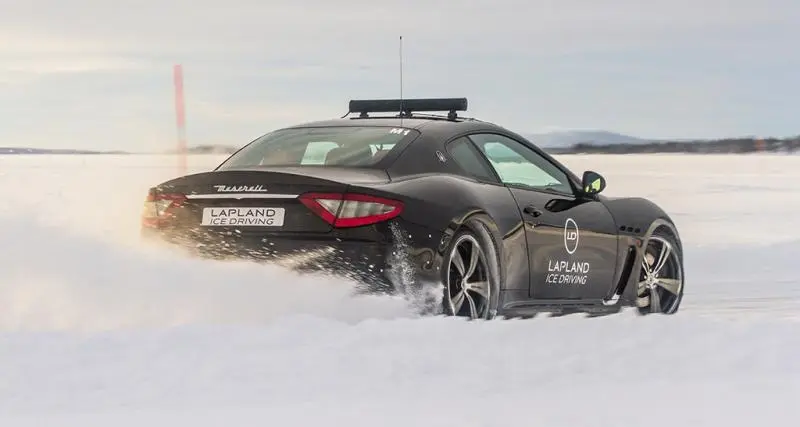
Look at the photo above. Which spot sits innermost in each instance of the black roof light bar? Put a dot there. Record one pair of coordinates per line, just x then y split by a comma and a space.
407, 106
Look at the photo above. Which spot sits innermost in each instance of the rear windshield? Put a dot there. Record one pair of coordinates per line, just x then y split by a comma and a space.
325, 146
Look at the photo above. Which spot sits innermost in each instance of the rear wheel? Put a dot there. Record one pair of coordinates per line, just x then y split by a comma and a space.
660, 286
471, 274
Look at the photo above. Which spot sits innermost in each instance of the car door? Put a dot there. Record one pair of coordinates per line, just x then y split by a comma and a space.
572, 242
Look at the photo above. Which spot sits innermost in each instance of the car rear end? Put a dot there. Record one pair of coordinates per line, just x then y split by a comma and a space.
288, 200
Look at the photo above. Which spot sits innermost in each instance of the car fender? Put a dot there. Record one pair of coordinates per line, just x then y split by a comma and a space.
445, 203
637, 219
638, 216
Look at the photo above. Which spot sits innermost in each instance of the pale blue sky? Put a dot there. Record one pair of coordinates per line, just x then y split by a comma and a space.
98, 73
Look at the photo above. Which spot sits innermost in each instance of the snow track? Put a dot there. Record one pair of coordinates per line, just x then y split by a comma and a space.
97, 330
744, 281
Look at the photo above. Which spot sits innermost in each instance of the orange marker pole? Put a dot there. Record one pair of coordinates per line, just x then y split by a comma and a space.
180, 115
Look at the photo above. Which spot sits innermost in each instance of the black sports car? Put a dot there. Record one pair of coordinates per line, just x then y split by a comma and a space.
409, 198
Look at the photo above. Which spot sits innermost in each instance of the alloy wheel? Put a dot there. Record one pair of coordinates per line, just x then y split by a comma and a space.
468, 291
661, 280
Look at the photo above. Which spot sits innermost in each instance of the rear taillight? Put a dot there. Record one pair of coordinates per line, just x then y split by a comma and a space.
351, 210
159, 207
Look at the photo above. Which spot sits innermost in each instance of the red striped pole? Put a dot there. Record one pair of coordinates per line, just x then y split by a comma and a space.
180, 114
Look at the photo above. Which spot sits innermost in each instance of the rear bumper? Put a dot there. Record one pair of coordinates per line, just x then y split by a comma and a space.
364, 262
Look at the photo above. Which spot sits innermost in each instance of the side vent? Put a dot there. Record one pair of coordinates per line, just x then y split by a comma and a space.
627, 268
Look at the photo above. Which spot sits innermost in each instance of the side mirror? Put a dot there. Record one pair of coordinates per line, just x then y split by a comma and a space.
592, 183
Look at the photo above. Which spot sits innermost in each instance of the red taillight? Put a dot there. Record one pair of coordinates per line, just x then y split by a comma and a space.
351, 210
158, 207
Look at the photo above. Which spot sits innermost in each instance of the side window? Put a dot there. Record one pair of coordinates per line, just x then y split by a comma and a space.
517, 164
464, 154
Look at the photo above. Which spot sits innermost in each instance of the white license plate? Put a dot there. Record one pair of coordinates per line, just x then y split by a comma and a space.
243, 217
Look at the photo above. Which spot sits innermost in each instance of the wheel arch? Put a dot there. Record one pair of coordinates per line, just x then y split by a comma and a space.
481, 225
468, 220
445, 203
637, 219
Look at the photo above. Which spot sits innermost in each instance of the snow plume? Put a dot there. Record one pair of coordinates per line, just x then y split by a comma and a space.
426, 298
53, 279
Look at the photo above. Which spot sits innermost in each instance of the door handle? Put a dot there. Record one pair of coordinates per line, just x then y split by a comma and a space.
532, 211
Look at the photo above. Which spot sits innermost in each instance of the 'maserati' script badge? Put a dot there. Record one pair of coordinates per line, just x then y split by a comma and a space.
240, 188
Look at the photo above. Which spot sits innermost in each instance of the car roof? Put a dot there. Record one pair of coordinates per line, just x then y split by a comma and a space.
433, 127
439, 126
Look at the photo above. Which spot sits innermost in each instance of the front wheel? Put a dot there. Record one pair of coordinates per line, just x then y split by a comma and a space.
660, 286
471, 274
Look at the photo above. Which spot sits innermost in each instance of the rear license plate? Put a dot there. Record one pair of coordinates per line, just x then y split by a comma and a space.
243, 217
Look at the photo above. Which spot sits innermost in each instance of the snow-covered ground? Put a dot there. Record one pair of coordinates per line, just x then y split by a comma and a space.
97, 330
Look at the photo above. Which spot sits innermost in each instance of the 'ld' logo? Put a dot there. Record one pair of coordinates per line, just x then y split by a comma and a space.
571, 236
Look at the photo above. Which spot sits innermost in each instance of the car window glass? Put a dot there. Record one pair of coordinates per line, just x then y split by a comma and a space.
465, 155
335, 146
519, 165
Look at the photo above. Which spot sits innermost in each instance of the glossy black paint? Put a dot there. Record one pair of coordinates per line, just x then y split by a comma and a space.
595, 245
531, 228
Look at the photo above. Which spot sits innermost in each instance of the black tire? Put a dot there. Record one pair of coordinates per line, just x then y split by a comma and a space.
474, 233
665, 281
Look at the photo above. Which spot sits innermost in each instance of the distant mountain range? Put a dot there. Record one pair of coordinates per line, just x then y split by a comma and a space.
563, 141
557, 139
213, 149
568, 138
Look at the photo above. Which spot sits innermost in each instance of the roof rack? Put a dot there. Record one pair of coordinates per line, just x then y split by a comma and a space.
406, 107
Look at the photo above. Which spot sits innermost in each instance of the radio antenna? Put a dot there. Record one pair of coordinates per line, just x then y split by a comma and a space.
402, 106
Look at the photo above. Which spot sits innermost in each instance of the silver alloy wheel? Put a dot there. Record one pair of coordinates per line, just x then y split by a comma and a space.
661, 280
468, 291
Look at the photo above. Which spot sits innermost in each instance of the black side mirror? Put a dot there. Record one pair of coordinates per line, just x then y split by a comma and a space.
592, 183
